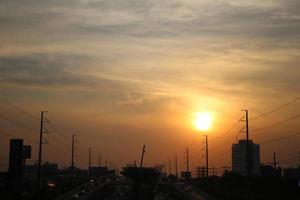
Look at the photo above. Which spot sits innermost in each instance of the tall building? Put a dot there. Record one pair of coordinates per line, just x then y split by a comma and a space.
16, 161
239, 158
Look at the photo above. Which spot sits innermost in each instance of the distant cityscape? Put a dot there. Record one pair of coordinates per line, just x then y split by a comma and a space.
27, 181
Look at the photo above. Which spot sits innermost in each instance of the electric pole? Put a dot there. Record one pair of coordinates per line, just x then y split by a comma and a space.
90, 155
40, 150
99, 160
176, 166
247, 143
170, 167
187, 160
72, 159
275, 161
206, 154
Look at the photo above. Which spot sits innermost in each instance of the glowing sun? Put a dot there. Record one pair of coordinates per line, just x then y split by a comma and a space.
203, 121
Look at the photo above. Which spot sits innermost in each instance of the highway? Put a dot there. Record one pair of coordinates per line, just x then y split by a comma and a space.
89, 191
184, 191
116, 190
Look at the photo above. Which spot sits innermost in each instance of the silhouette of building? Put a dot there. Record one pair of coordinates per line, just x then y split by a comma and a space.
239, 158
291, 173
200, 172
49, 169
186, 175
270, 171
101, 172
16, 161
18, 153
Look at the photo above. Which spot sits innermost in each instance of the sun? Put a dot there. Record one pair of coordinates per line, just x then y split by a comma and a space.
203, 121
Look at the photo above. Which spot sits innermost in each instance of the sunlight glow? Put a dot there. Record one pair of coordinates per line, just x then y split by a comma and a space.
203, 121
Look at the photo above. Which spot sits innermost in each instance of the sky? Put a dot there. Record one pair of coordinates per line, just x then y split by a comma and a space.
123, 73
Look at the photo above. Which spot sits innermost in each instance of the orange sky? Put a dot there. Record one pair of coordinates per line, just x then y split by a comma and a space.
120, 74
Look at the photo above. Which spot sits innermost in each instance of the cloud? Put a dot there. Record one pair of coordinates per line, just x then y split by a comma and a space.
155, 18
163, 47
59, 71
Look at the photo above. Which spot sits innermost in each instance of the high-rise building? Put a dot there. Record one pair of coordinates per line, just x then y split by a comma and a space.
16, 161
239, 158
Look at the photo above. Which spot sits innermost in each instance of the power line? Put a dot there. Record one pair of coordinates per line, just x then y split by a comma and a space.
56, 148
59, 142
223, 143
17, 123
13, 136
226, 132
57, 130
275, 109
221, 154
280, 138
5, 133
277, 123
29, 116
18, 109
291, 159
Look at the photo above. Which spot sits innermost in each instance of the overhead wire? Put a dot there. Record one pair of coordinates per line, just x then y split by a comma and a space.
291, 159
18, 109
280, 138
17, 123
277, 123
275, 109
28, 115
5, 133
58, 141
57, 130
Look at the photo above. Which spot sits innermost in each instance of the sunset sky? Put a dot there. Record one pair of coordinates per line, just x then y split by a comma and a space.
123, 73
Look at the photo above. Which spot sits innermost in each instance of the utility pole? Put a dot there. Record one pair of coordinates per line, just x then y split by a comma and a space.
99, 160
274, 163
214, 171
176, 166
72, 159
90, 155
142, 158
206, 154
247, 143
170, 167
187, 160
40, 150
274, 160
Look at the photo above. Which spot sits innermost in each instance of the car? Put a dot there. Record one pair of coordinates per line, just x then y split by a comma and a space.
188, 188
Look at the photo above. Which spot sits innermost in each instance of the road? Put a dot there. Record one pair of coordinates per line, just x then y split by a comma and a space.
116, 190
187, 192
